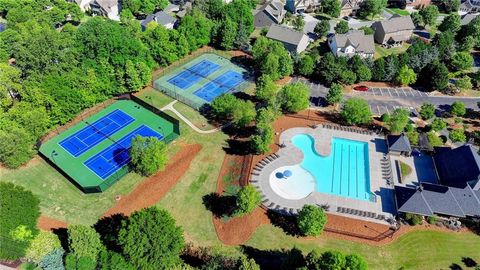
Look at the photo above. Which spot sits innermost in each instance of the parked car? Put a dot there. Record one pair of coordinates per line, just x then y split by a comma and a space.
360, 88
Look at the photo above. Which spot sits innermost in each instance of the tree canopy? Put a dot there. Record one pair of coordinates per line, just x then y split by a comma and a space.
19, 211
247, 199
311, 220
294, 97
150, 239
148, 155
356, 111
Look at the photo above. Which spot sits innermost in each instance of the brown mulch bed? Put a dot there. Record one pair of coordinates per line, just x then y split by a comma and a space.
236, 230
47, 223
150, 191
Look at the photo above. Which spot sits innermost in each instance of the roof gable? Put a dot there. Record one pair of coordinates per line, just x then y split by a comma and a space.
285, 34
456, 167
399, 143
395, 24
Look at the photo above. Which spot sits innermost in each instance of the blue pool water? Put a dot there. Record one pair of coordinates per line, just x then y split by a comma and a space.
345, 172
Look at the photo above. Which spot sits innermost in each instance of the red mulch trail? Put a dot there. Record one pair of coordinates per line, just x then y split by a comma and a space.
155, 187
47, 223
237, 230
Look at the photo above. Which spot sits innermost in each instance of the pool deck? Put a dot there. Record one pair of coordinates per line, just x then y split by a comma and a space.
381, 204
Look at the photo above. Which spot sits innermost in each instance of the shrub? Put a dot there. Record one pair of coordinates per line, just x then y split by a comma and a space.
413, 219
150, 239
457, 135
109, 260
427, 111
431, 219
458, 108
356, 111
148, 155
413, 137
41, 245
306, 65
247, 199
385, 117
355, 262
406, 76
438, 124
434, 140
84, 242
53, 260
19, 211
244, 113
311, 220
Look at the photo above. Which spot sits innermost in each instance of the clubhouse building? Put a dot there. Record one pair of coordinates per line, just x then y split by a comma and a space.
457, 191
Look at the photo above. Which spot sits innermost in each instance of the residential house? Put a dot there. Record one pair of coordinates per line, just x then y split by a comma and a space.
270, 13
418, 3
470, 6
458, 191
295, 6
352, 43
161, 18
399, 145
350, 7
293, 40
106, 8
184, 9
393, 31
468, 17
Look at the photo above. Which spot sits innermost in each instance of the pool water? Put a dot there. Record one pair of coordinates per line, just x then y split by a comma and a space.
345, 172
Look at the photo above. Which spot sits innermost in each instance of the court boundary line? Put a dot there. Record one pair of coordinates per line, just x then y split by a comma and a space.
88, 125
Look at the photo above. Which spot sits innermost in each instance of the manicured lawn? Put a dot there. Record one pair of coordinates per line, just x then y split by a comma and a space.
401, 12
382, 52
194, 116
404, 169
415, 250
62, 200
155, 97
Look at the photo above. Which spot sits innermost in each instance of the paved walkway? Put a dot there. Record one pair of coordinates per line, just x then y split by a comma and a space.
169, 107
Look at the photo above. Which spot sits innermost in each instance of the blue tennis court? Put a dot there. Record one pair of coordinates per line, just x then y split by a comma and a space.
114, 157
193, 74
219, 85
91, 135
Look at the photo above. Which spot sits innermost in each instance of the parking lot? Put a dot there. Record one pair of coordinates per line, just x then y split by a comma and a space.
379, 108
392, 92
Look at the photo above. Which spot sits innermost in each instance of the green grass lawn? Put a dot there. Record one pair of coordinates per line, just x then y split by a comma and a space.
382, 51
415, 250
194, 116
397, 11
154, 97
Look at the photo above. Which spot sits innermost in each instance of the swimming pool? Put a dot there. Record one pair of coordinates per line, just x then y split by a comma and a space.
345, 172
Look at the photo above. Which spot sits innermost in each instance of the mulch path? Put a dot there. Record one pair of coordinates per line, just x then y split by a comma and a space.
46, 223
150, 191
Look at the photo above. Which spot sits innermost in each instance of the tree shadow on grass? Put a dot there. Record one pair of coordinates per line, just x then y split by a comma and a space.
219, 205
469, 262
455, 266
108, 228
287, 223
238, 147
275, 259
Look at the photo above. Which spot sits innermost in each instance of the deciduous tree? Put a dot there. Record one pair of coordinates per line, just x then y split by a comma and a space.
247, 199
311, 220
150, 239
148, 155
356, 111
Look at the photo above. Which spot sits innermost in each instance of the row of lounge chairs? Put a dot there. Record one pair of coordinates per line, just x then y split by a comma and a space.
367, 214
348, 129
261, 164
387, 170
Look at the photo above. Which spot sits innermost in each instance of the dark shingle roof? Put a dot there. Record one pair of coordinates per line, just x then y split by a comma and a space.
429, 199
456, 167
398, 143
285, 34
160, 17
